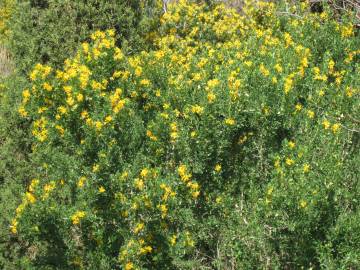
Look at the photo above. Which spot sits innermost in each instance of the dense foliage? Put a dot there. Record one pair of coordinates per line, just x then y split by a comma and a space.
6, 7
49, 31
232, 144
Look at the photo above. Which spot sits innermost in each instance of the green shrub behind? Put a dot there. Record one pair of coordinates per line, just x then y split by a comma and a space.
49, 31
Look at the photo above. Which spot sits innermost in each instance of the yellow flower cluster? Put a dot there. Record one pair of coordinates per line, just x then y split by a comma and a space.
77, 216
29, 198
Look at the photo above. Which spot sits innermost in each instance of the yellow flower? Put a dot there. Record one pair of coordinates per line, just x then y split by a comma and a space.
33, 184
174, 135
145, 82
277, 163
13, 226
288, 40
270, 191
264, 71
349, 92
193, 185
211, 97
60, 129
95, 168
102, 189
139, 184
108, 119
138, 71
195, 194
80, 97
146, 249
197, 77
118, 54
70, 101
49, 187
84, 114
326, 124
331, 66
139, 227
274, 80
30, 197
289, 161
182, 170
62, 110
163, 208
291, 144
85, 47
98, 125
335, 128
278, 68
197, 109
144, 172
47, 86
77, 217
304, 62
248, 63
310, 114
213, 83
229, 121
217, 168
298, 107
288, 84
347, 31
306, 168
67, 89
151, 135
26, 95
303, 204
129, 266
42, 109
22, 112
173, 240
159, 54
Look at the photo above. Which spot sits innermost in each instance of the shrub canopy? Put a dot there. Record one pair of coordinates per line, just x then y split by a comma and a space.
233, 144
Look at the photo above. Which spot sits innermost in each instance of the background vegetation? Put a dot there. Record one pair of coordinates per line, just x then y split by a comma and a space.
50, 31
202, 138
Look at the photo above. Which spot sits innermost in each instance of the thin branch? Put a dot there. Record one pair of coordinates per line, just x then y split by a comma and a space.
350, 129
289, 14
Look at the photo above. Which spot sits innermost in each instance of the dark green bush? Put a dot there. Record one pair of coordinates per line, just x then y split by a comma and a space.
49, 31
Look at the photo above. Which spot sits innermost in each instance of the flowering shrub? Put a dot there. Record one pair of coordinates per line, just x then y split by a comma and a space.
149, 161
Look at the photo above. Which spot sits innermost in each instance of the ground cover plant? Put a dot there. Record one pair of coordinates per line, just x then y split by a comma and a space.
232, 144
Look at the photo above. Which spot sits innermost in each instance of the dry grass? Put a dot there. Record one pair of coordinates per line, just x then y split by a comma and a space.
5, 62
